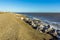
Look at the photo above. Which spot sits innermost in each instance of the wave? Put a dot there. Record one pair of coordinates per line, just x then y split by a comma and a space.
51, 20
55, 25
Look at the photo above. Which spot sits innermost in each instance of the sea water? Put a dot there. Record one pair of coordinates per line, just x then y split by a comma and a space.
52, 19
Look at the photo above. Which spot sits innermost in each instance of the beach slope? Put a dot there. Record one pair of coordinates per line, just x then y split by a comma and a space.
13, 28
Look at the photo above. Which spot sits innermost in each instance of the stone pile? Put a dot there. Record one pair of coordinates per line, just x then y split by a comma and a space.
42, 27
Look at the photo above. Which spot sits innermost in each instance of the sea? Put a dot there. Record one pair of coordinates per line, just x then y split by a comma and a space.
52, 19
49, 18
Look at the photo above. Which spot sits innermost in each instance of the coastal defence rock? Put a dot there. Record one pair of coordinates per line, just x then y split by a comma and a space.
13, 28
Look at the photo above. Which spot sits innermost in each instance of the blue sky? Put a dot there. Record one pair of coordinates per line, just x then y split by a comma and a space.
30, 5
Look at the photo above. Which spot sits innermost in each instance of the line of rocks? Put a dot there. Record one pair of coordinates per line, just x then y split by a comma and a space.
43, 27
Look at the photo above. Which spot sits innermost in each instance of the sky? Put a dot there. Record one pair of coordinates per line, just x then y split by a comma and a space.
29, 5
